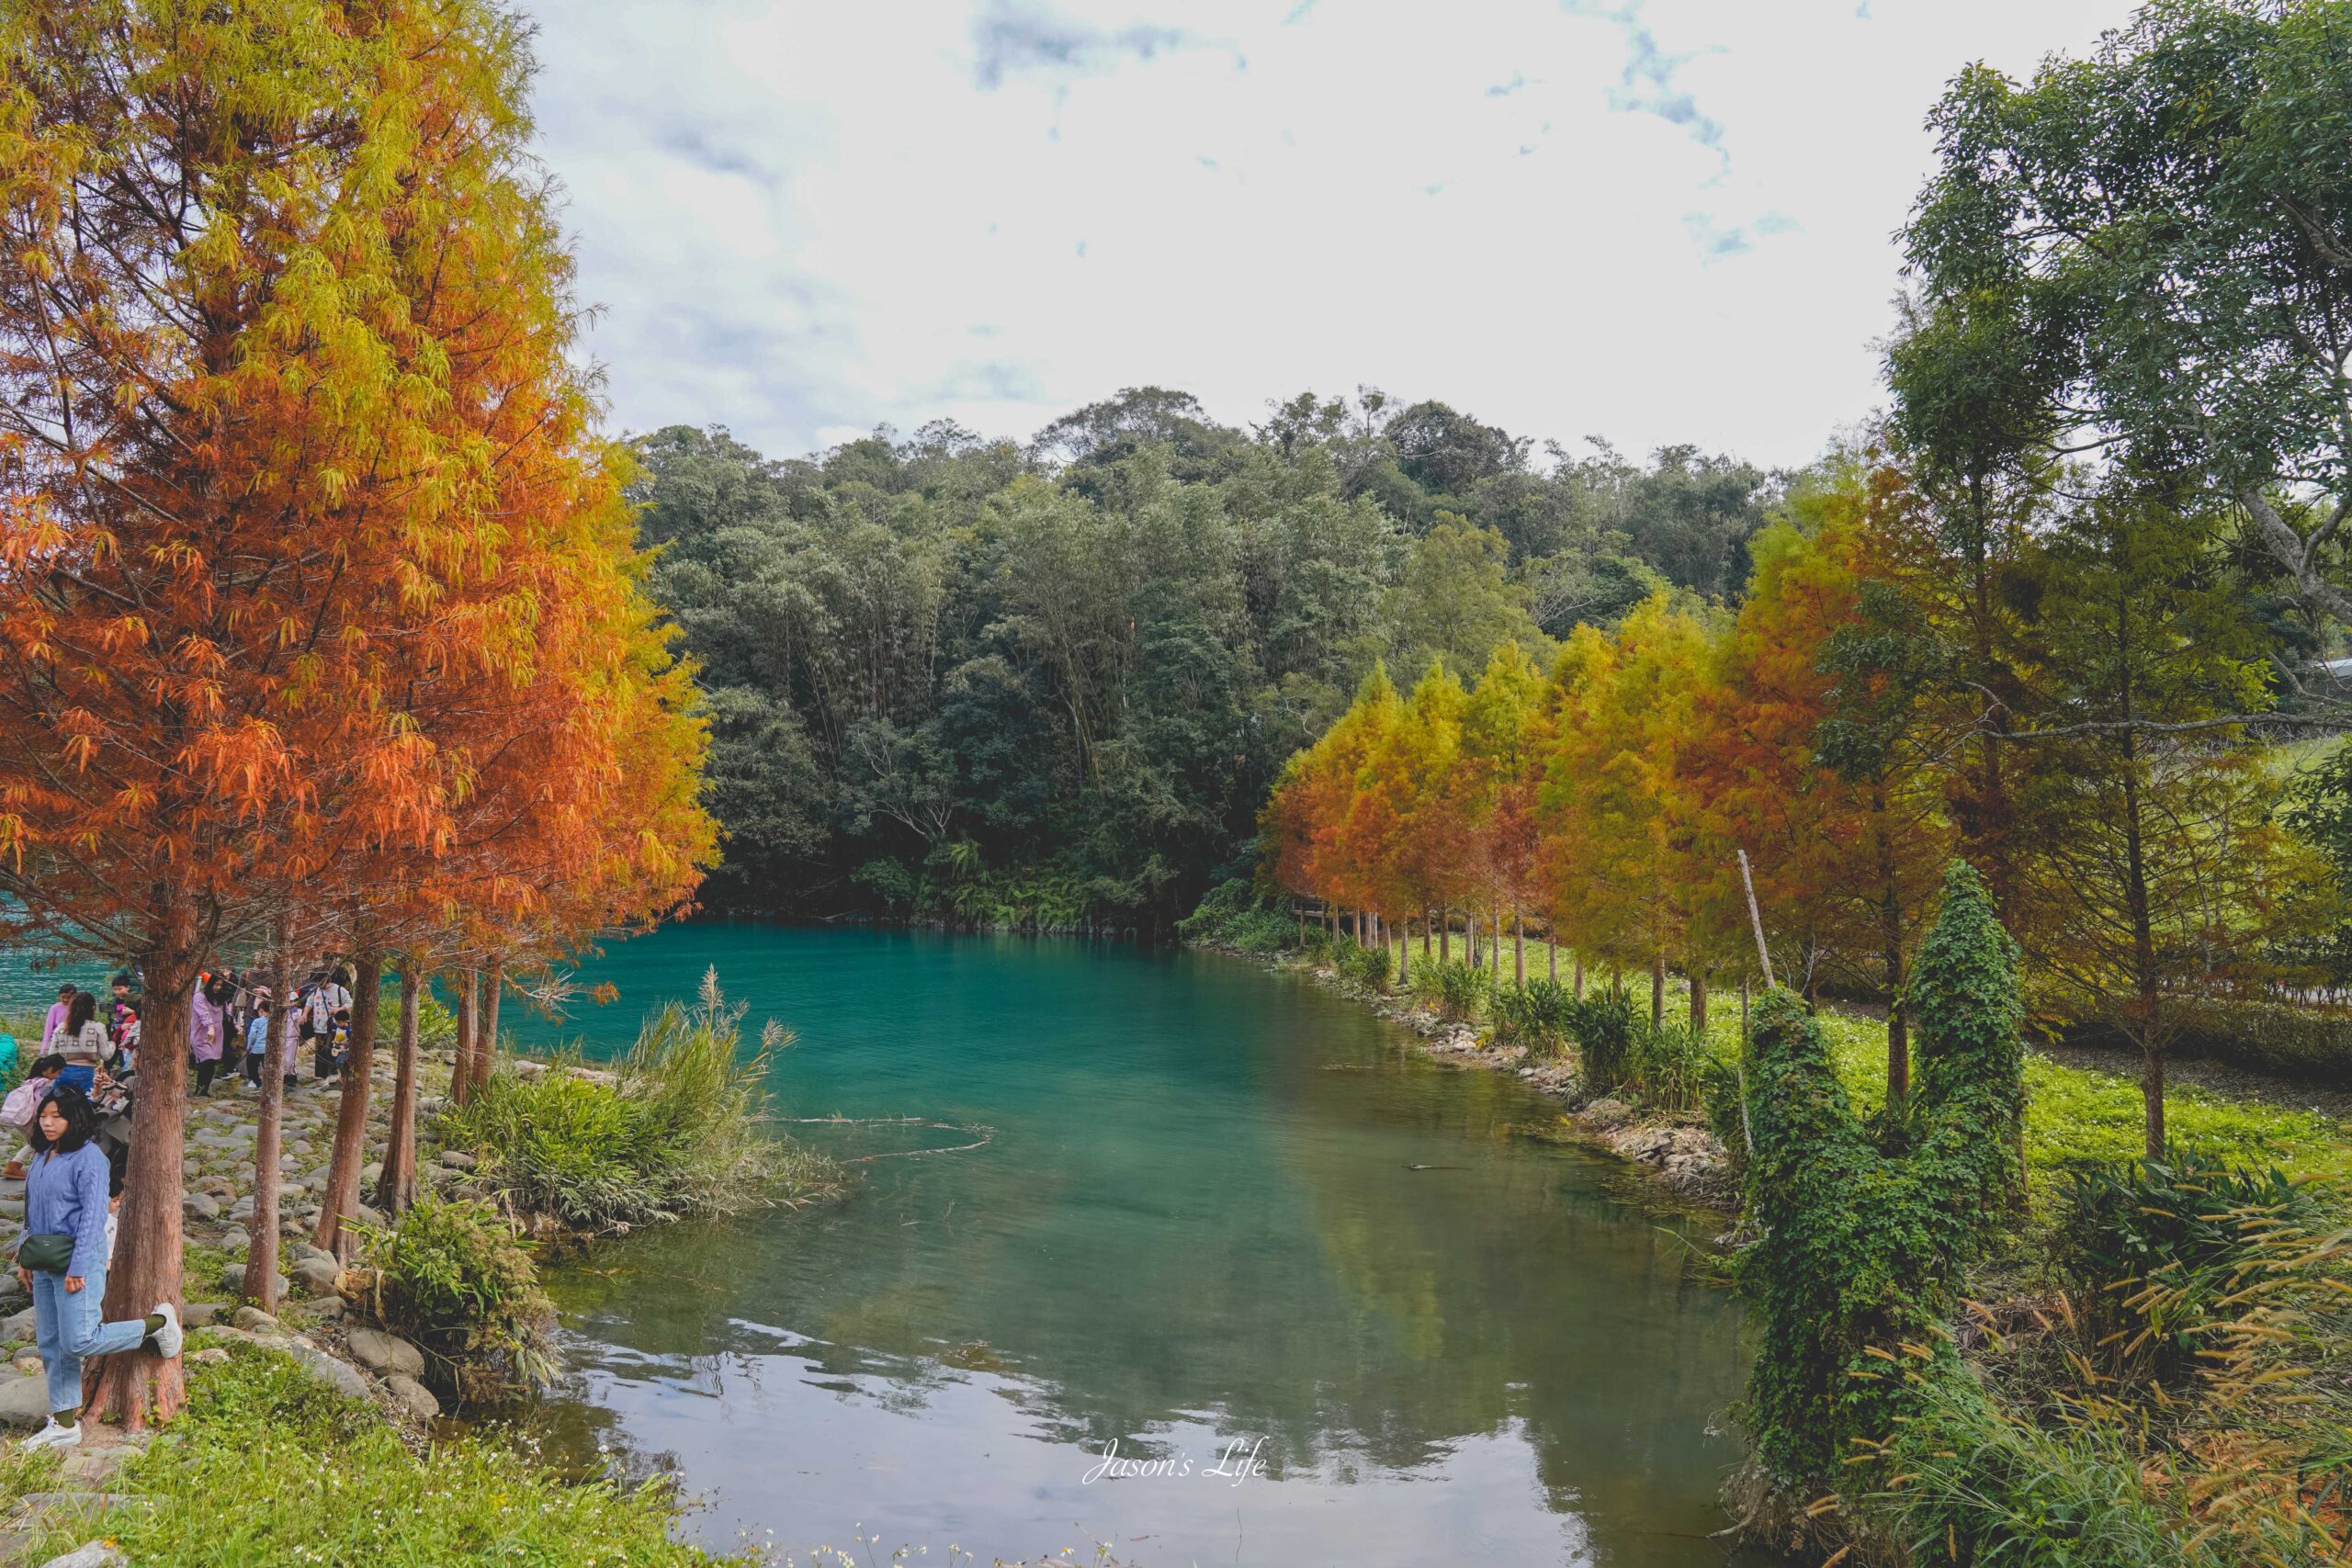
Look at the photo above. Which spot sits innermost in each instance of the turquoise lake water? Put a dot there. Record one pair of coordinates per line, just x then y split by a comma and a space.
1196, 1232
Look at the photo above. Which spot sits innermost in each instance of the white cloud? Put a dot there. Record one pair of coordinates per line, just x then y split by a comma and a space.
1659, 221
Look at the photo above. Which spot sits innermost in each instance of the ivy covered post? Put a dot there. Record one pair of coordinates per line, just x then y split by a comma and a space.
1861, 1251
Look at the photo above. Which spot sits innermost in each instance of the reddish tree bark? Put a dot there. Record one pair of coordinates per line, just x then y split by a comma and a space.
351, 1119
486, 1044
461, 1077
261, 1254
396, 1189
138, 1387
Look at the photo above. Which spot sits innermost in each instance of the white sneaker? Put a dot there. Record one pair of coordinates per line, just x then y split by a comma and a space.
53, 1437
167, 1339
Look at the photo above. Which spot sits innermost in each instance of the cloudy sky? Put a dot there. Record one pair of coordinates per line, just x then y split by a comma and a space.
1653, 221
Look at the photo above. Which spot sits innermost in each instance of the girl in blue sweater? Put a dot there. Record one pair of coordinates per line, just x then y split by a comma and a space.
65, 1194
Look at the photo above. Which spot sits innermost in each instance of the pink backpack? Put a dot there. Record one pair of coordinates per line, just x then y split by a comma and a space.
24, 1101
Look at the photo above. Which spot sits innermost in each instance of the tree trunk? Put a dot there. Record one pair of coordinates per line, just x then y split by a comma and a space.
2144, 1002
2136, 899
1404, 952
1425, 930
1519, 947
1580, 976
1658, 987
1890, 933
1984, 824
396, 1189
351, 1118
136, 1388
261, 1254
1444, 934
1551, 953
461, 1077
1698, 1001
486, 1047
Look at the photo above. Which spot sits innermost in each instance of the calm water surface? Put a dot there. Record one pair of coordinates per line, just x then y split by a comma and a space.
1197, 1225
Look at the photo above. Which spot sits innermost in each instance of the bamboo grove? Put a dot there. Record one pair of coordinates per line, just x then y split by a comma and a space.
322, 626
1841, 727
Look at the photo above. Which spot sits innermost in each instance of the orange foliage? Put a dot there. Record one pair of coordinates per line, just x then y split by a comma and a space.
315, 590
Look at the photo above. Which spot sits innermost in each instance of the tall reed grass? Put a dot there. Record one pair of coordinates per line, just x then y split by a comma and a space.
676, 1131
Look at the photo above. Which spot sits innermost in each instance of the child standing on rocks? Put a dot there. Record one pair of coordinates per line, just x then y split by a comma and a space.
257, 1039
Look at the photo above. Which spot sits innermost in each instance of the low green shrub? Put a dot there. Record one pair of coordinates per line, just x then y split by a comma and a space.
1666, 1067
1367, 965
1536, 1014
674, 1130
1603, 1025
1238, 914
452, 1277
1457, 991
265, 1465
2150, 1249
1672, 1066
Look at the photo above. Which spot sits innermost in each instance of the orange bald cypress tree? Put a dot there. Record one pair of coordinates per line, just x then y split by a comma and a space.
580, 803
1817, 751
204, 358
1618, 835
1304, 821
1402, 779
282, 323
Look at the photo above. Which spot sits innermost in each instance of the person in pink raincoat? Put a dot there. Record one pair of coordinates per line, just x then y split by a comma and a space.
207, 1028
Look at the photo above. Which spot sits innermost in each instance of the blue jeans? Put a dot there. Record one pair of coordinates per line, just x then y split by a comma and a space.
66, 1328
81, 1074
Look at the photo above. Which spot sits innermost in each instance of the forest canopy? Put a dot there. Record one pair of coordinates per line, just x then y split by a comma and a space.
1051, 685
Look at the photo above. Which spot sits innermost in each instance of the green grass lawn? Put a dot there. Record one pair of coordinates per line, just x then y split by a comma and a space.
265, 1465
2072, 1113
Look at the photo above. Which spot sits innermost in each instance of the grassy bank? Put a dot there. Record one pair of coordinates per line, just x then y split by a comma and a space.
265, 1465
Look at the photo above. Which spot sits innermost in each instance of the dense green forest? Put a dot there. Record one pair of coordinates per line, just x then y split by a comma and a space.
1050, 684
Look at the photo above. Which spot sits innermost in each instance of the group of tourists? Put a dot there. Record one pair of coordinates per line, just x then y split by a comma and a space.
73, 1112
